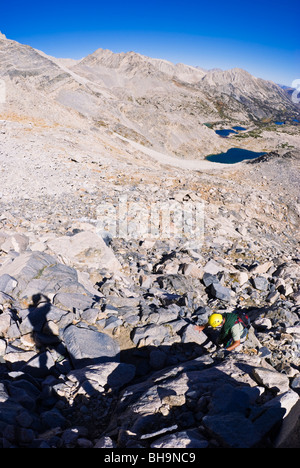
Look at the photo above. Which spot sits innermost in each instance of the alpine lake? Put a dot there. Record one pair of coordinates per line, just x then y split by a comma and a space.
233, 155
236, 155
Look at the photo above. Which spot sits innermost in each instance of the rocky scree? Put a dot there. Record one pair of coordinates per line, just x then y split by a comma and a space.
118, 363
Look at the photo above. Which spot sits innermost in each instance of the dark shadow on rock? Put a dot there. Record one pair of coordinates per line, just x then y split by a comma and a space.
212, 404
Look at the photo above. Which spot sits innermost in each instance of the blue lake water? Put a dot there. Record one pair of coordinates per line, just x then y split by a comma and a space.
225, 132
233, 155
279, 123
240, 129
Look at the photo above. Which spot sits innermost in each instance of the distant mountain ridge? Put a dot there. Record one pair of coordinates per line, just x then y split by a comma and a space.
132, 62
152, 101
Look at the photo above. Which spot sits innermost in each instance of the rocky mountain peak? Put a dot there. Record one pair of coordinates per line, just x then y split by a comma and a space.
130, 62
110, 59
234, 75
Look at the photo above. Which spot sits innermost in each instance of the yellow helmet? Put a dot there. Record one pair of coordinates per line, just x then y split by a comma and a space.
215, 320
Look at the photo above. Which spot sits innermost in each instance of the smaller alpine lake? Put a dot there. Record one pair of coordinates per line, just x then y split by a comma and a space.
233, 156
225, 132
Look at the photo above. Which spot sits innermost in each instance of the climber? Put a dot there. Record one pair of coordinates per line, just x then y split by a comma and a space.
234, 328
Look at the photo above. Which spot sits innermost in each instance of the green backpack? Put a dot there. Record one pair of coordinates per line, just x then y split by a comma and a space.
230, 320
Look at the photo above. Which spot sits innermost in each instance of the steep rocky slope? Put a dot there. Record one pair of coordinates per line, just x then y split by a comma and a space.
105, 334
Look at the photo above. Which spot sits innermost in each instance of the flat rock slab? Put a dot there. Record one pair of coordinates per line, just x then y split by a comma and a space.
85, 248
271, 379
26, 267
220, 292
87, 346
113, 374
70, 301
233, 430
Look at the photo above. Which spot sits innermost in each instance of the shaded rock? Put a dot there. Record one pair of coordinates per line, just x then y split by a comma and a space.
105, 442
285, 401
209, 279
24, 392
8, 413
34, 319
260, 283
17, 357
150, 334
190, 335
270, 419
52, 419
271, 379
70, 301
273, 297
183, 439
232, 430
289, 434
40, 365
220, 292
70, 436
2, 347
157, 359
111, 374
112, 322
7, 283
87, 346
296, 383
56, 278
89, 315
26, 267
177, 283
228, 399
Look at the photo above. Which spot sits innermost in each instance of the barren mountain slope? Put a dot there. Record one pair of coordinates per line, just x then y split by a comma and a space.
148, 101
119, 138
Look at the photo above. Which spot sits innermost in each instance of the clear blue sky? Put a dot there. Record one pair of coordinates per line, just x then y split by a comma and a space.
259, 36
